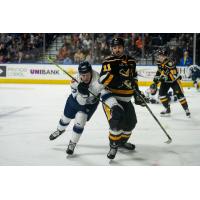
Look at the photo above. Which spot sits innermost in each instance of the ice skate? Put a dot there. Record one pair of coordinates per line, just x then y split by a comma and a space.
112, 152
128, 146
70, 148
187, 112
56, 134
166, 112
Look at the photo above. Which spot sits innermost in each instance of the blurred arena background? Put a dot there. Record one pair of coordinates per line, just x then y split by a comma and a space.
23, 56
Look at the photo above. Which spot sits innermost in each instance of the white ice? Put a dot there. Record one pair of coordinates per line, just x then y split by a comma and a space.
30, 113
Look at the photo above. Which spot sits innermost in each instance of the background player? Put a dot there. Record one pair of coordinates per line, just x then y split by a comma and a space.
152, 96
167, 74
194, 73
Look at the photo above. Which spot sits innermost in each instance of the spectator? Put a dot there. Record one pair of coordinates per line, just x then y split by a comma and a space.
63, 54
2, 59
139, 42
79, 56
89, 57
87, 42
186, 60
67, 61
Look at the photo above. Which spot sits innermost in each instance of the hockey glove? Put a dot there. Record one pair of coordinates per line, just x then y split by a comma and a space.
140, 98
83, 88
153, 101
163, 78
116, 116
156, 79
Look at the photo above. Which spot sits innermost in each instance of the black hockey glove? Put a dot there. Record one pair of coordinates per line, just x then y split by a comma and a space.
180, 77
117, 114
156, 79
163, 78
147, 99
83, 88
153, 101
140, 98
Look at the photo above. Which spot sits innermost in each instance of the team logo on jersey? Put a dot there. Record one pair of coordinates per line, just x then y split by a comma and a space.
124, 72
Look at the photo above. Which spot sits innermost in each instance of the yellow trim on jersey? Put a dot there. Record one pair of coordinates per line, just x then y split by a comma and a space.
172, 77
116, 91
183, 102
173, 71
126, 135
115, 137
108, 112
108, 80
163, 100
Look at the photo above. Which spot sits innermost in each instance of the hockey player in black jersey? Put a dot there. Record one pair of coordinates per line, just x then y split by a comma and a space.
169, 77
119, 76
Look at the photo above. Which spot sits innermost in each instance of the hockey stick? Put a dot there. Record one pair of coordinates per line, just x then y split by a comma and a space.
169, 138
50, 60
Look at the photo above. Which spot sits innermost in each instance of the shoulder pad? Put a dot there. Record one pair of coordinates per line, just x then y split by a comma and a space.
111, 57
131, 58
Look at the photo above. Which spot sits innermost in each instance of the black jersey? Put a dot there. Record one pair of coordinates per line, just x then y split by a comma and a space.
119, 75
167, 68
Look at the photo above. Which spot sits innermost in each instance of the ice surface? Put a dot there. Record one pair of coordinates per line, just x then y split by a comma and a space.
30, 113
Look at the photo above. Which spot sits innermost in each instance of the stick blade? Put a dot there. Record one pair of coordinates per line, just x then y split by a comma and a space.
169, 141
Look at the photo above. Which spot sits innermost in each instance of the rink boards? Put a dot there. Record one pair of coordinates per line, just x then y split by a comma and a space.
50, 74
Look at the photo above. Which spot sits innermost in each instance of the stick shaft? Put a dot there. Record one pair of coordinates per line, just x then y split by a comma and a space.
76, 81
154, 116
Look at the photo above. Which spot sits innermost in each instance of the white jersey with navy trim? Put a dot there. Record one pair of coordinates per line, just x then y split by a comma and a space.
192, 69
96, 88
152, 97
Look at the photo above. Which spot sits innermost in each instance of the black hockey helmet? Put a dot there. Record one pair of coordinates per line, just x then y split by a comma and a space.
117, 41
84, 67
153, 86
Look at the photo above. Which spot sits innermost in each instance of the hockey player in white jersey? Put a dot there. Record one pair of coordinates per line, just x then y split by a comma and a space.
152, 95
194, 74
81, 104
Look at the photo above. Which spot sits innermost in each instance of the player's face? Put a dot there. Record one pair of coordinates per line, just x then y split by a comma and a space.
86, 77
161, 58
118, 50
152, 91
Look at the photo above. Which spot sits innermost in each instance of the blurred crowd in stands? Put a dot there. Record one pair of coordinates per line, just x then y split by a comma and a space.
94, 47
23, 47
